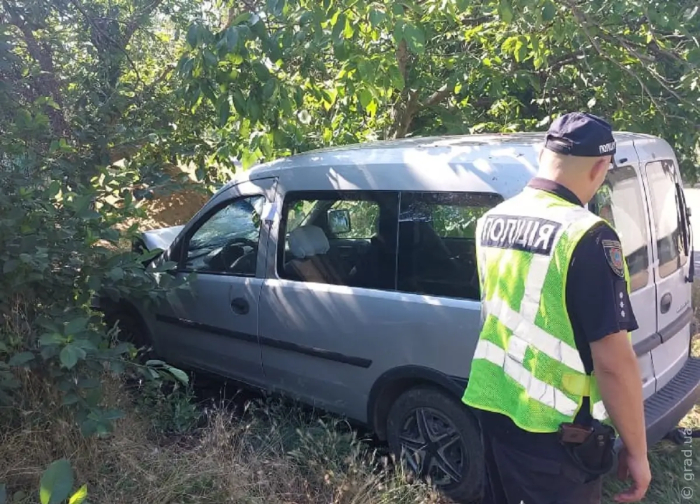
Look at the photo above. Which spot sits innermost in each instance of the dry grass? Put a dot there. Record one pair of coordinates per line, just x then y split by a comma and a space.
272, 455
269, 458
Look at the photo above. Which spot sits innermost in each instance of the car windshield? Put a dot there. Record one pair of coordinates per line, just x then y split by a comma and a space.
232, 222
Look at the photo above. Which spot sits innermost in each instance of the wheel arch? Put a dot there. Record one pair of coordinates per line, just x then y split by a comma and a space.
390, 385
111, 310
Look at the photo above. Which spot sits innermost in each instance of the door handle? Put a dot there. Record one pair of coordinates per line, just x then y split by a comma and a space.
665, 303
240, 306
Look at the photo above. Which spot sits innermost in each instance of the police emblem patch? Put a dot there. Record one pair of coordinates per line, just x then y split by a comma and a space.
613, 253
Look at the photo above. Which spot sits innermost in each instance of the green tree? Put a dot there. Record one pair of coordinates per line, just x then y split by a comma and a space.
280, 77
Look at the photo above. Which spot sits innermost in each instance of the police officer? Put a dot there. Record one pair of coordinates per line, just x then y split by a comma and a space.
554, 365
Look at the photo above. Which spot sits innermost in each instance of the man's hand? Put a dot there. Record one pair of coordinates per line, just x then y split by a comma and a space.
638, 469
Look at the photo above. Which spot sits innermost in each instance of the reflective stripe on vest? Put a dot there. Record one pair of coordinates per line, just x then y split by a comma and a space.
524, 247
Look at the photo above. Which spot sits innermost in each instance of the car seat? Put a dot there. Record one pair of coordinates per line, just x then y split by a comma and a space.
311, 261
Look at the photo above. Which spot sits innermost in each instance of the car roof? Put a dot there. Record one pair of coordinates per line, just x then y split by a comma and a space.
500, 163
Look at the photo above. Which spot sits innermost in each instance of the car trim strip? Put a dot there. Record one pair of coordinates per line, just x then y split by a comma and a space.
270, 342
651, 342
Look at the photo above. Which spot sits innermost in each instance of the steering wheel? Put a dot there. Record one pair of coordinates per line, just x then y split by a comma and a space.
244, 241
245, 263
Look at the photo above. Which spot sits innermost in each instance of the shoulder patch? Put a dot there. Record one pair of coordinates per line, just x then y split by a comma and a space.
613, 253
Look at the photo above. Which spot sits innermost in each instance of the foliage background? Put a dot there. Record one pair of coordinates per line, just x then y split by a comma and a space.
109, 109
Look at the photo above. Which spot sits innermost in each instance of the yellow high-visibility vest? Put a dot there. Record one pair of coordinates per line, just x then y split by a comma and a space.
526, 364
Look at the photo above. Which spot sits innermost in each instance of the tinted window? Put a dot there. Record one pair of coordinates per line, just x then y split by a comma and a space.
437, 249
620, 202
227, 242
340, 237
667, 217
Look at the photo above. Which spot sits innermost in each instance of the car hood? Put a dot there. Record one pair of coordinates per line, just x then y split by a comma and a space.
160, 238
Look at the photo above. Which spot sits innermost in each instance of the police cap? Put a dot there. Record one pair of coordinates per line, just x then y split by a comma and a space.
581, 134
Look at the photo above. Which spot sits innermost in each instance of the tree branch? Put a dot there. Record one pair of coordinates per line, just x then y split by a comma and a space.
438, 96
406, 117
47, 83
133, 24
583, 22
120, 46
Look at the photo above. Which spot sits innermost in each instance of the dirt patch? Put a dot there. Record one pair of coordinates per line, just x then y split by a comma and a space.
173, 209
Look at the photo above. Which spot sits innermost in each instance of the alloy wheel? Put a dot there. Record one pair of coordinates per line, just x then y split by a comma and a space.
432, 447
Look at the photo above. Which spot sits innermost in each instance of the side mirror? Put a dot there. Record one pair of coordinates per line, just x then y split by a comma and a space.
339, 221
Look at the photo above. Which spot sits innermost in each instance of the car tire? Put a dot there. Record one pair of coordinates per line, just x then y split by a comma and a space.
438, 439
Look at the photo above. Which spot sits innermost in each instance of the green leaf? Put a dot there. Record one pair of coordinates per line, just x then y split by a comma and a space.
396, 78
79, 496
56, 482
76, 326
70, 354
193, 36
261, 71
505, 11
70, 398
376, 17
53, 189
349, 31
21, 359
223, 110
366, 70
365, 97
269, 89
549, 11
50, 339
243, 18
339, 27
248, 159
3, 493
520, 52
210, 58
10, 266
111, 415
238, 101
88, 383
415, 38
254, 110
208, 91
179, 374
232, 38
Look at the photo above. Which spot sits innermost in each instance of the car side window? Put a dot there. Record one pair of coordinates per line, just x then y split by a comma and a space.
227, 242
667, 217
339, 237
437, 246
620, 202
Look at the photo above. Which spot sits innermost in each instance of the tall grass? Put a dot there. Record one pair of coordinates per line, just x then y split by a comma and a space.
269, 456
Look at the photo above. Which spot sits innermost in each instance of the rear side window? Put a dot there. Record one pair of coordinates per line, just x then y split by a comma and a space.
620, 202
340, 237
667, 216
437, 247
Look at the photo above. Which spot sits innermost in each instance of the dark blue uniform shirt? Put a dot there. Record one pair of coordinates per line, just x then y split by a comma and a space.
598, 305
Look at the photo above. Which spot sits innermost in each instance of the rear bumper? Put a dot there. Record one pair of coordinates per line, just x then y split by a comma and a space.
663, 410
668, 406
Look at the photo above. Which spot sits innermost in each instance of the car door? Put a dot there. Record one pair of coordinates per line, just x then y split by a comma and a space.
671, 266
213, 325
319, 313
621, 202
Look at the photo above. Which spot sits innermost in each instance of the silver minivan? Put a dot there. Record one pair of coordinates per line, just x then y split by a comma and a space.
346, 278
